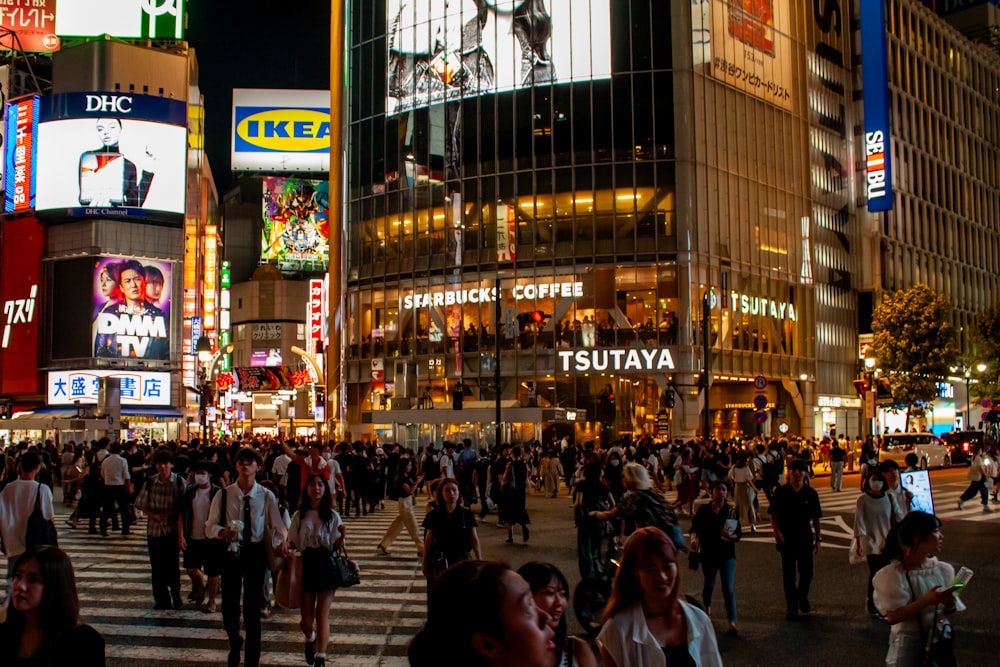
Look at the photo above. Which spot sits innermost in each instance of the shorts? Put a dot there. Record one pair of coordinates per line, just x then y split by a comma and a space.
205, 554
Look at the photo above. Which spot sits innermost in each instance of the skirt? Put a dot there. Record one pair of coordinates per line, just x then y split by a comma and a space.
318, 572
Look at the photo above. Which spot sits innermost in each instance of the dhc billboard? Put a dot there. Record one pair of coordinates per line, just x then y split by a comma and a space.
875, 79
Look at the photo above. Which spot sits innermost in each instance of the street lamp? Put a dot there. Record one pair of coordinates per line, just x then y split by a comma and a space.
980, 367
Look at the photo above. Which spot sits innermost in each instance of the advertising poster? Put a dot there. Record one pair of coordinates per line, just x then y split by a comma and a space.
919, 484
112, 156
34, 21
131, 309
264, 358
20, 153
281, 130
21, 262
296, 234
442, 50
130, 19
751, 48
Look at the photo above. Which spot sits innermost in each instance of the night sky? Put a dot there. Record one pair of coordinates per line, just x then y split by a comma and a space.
254, 44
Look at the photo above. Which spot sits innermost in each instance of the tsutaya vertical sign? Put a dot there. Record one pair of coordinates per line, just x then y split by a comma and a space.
315, 313
506, 234
875, 78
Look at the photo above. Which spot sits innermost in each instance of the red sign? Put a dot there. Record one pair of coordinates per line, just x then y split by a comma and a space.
315, 309
34, 21
20, 283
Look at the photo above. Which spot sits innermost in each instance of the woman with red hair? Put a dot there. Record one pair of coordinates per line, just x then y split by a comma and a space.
647, 622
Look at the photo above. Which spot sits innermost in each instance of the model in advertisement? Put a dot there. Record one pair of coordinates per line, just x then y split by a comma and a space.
107, 177
107, 282
132, 327
433, 62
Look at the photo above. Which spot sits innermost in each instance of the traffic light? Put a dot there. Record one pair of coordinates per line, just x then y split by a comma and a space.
861, 386
537, 316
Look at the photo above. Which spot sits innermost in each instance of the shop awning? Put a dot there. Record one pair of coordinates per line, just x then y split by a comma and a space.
64, 412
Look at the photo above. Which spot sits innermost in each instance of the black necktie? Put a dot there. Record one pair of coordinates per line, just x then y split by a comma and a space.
247, 526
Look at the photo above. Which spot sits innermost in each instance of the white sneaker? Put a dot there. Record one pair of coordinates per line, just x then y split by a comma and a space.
960, 504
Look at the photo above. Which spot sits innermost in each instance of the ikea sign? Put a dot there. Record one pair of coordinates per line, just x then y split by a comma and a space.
281, 130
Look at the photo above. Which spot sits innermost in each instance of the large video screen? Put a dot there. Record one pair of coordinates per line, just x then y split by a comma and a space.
134, 19
106, 155
442, 50
131, 317
296, 234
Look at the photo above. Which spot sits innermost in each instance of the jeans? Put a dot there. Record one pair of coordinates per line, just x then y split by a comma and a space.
974, 486
244, 574
588, 543
836, 475
727, 569
163, 562
796, 557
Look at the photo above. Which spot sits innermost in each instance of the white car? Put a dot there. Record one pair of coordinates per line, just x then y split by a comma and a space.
930, 450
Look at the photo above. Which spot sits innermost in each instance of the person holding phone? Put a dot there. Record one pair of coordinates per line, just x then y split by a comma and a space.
916, 589
715, 530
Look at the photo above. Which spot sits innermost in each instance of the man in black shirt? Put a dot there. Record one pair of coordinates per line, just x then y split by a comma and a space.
795, 514
837, 455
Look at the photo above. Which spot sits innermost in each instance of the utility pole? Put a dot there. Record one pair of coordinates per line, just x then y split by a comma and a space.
706, 371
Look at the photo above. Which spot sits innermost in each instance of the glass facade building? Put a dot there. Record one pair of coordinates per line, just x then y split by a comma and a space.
567, 184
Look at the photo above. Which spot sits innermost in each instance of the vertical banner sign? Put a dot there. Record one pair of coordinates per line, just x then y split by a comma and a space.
20, 152
875, 78
315, 313
378, 374
506, 235
209, 282
21, 265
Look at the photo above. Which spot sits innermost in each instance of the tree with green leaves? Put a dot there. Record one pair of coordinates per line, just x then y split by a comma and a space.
986, 337
914, 345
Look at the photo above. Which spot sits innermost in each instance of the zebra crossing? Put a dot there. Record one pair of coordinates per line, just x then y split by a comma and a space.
945, 494
371, 624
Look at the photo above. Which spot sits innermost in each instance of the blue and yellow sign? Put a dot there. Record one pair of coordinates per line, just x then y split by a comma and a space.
281, 130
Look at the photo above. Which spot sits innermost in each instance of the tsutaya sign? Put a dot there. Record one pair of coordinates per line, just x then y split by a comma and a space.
550, 290
758, 305
634, 359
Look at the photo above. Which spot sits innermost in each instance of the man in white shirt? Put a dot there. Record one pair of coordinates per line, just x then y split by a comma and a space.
249, 509
447, 460
280, 471
115, 475
17, 502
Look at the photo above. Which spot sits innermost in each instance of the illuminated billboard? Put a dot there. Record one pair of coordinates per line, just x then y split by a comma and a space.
21, 262
296, 235
83, 387
20, 152
442, 50
266, 357
281, 130
875, 80
127, 19
131, 309
751, 48
112, 156
33, 21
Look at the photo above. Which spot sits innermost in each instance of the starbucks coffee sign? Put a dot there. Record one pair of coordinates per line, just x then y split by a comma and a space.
628, 360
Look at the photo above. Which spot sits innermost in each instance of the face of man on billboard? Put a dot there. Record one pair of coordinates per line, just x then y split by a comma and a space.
133, 286
109, 130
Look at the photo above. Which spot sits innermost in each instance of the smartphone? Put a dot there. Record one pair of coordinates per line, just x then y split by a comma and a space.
961, 579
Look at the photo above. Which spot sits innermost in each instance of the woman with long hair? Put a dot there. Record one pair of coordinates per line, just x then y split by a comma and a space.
646, 602
744, 490
451, 534
406, 483
551, 592
715, 530
872, 523
915, 589
687, 482
482, 614
590, 495
43, 618
318, 533
514, 482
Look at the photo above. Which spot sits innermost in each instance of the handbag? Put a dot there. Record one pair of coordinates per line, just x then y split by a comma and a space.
40, 531
939, 640
694, 560
347, 572
288, 586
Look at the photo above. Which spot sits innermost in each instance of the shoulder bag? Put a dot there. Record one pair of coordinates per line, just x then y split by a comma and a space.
347, 572
40, 531
939, 639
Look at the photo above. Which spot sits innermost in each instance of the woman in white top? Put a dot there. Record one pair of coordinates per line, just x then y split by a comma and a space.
745, 492
318, 533
872, 522
914, 588
646, 621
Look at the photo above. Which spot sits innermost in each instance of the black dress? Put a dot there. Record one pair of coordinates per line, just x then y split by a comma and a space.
512, 504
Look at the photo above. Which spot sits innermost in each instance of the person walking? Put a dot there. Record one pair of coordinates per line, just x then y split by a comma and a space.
115, 475
591, 495
514, 483
795, 513
17, 502
745, 491
202, 556
873, 519
977, 476
240, 514
715, 530
916, 590
318, 532
161, 499
451, 534
837, 455
405, 485
465, 464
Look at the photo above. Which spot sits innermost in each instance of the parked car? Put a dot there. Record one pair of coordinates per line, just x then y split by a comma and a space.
962, 445
930, 451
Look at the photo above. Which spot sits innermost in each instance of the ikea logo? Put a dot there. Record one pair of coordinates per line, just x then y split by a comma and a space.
282, 130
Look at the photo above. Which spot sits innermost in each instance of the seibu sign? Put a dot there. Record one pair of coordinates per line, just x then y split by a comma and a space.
553, 290
629, 360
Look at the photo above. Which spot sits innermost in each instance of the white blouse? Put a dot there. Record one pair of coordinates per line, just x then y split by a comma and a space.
309, 531
893, 589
